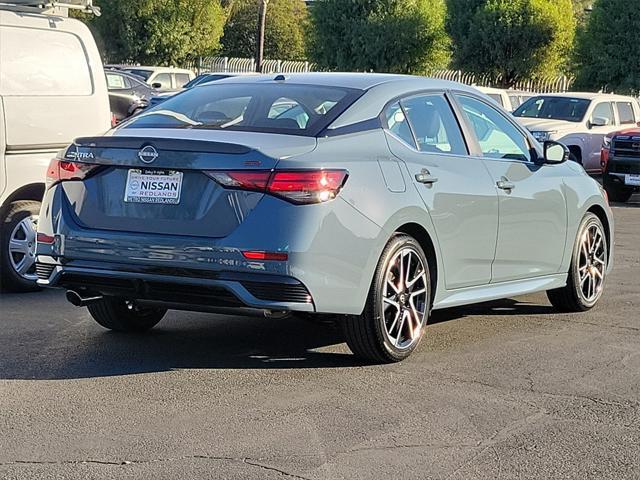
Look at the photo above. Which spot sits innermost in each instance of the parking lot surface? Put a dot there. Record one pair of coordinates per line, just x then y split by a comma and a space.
509, 389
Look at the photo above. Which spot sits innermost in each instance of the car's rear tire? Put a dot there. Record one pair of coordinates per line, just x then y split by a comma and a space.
588, 270
392, 323
18, 247
119, 315
615, 191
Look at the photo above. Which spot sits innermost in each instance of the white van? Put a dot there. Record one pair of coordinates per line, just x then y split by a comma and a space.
52, 90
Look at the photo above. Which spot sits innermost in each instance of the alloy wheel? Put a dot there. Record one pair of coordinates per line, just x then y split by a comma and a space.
22, 248
404, 299
592, 263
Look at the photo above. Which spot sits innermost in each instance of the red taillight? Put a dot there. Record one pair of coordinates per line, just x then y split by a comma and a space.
271, 256
61, 170
114, 120
46, 239
296, 186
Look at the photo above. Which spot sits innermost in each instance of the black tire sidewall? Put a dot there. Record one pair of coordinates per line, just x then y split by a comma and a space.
395, 245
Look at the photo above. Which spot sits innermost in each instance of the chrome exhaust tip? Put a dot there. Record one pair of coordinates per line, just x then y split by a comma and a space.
74, 298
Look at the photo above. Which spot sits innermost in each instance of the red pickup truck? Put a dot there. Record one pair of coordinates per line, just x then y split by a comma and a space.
620, 162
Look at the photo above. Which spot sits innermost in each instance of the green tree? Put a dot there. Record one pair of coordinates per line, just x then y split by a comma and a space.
512, 39
608, 50
158, 31
285, 33
401, 36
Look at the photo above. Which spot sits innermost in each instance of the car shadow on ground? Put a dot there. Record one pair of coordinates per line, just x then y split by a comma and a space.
81, 349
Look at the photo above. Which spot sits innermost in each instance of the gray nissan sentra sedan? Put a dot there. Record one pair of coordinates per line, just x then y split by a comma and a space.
372, 198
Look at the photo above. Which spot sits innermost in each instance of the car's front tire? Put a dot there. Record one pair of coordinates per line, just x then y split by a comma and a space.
18, 247
392, 323
120, 315
588, 269
616, 192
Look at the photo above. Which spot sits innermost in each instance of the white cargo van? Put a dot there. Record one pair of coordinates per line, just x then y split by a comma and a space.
52, 90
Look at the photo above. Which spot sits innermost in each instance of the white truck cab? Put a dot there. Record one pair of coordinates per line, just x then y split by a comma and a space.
579, 120
52, 90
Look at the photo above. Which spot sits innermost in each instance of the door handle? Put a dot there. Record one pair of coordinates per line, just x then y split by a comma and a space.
425, 177
505, 184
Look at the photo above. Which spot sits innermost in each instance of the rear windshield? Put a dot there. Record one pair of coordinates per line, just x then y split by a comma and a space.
145, 74
251, 107
556, 108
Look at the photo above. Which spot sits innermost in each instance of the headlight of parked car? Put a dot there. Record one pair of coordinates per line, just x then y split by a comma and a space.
543, 136
606, 142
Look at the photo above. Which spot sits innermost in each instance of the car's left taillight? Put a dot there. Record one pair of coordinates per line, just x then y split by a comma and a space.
60, 170
301, 187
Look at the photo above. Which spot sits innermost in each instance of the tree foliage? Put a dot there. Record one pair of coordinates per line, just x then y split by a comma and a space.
608, 50
512, 39
285, 32
158, 31
402, 36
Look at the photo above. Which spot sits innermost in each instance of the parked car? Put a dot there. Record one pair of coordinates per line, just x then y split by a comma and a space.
372, 198
163, 79
620, 161
579, 120
507, 99
127, 95
52, 90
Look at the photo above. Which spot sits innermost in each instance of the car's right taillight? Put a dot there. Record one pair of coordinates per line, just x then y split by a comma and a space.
296, 186
60, 170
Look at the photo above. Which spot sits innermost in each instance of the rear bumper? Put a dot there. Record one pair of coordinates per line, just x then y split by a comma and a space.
332, 254
185, 289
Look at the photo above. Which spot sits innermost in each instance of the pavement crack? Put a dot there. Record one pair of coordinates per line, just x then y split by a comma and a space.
248, 461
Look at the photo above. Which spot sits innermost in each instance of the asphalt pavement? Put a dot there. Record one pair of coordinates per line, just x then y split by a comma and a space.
508, 389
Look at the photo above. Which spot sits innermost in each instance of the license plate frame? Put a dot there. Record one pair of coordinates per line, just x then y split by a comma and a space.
139, 187
632, 179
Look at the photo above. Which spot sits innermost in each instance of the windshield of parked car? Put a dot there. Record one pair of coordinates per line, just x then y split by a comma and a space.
555, 108
144, 74
253, 107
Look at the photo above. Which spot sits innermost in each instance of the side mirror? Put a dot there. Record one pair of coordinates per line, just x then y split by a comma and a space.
555, 153
156, 85
600, 122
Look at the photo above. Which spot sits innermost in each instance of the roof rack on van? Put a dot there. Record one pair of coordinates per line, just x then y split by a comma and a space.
50, 6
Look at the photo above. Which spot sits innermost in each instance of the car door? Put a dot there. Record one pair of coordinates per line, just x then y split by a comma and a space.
591, 159
457, 190
119, 95
533, 214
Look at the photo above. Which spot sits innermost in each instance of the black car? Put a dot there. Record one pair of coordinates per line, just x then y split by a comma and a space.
621, 164
128, 95
200, 79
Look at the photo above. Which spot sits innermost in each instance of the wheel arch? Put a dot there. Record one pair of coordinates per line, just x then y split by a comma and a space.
32, 191
424, 239
599, 212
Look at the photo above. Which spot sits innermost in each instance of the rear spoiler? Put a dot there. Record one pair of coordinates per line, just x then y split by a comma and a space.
163, 144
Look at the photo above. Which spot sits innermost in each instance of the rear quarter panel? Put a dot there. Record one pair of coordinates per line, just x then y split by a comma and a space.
385, 206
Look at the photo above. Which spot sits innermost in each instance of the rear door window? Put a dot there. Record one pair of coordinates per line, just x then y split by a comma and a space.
116, 81
625, 113
182, 79
38, 62
433, 124
396, 122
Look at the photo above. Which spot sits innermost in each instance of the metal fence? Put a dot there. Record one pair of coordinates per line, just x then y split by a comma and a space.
243, 65
560, 83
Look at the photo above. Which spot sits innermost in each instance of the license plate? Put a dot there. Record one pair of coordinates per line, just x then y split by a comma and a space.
633, 180
153, 186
